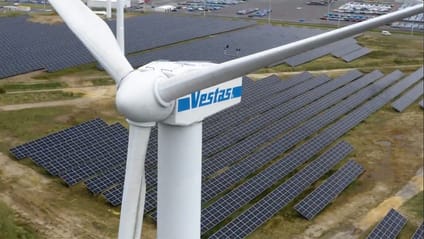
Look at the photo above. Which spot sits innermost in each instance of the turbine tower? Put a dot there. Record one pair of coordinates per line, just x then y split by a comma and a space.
178, 99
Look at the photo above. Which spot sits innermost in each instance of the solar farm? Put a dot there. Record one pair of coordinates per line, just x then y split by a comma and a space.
324, 144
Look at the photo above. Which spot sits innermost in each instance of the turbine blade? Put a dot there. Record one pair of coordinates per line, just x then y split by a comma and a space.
132, 208
184, 84
95, 34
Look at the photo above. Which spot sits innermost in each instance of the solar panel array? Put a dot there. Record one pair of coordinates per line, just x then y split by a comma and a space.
237, 198
419, 233
151, 173
28, 46
316, 201
265, 208
389, 227
249, 40
319, 114
32, 46
79, 152
256, 160
409, 97
217, 185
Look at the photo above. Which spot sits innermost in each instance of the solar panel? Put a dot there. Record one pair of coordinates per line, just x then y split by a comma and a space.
402, 85
316, 201
213, 214
273, 202
107, 153
88, 148
114, 195
308, 56
409, 97
419, 233
421, 104
346, 50
71, 135
389, 227
356, 54
101, 182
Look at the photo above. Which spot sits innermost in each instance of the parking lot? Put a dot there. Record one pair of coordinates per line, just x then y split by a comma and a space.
283, 10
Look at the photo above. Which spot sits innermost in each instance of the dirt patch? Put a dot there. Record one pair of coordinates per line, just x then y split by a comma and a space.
45, 19
90, 95
412, 188
352, 208
27, 78
56, 211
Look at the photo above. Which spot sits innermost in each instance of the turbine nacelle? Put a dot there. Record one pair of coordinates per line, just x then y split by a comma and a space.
143, 104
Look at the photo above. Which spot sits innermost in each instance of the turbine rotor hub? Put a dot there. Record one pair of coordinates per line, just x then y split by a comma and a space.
137, 98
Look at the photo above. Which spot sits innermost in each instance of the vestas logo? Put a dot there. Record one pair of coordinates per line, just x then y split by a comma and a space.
198, 99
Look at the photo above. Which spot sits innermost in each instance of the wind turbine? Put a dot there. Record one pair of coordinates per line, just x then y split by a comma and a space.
178, 96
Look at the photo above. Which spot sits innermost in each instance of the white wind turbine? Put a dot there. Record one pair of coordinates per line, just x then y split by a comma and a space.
162, 92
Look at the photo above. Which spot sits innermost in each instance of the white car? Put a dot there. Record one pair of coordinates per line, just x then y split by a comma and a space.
386, 33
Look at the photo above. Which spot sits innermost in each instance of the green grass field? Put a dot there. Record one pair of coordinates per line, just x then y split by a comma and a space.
11, 228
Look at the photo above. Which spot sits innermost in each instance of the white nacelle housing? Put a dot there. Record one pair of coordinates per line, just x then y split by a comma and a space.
200, 104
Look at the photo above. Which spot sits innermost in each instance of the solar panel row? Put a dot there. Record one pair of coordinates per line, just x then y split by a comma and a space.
89, 149
409, 97
254, 90
71, 135
112, 151
344, 50
103, 181
332, 48
270, 90
316, 201
237, 198
356, 54
249, 41
419, 233
401, 86
264, 209
254, 161
265, 104
260, 115
389, 227
241, 226
114, 195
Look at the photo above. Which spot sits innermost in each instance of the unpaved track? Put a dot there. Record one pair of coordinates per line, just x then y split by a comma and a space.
328, 221
91, 94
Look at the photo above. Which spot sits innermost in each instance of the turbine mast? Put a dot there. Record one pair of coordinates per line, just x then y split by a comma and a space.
120, 31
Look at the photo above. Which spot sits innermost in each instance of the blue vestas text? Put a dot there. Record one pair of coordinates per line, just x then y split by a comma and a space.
197, 99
